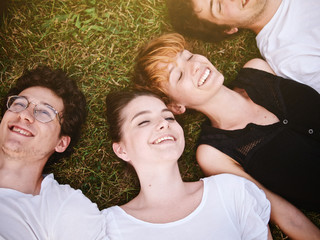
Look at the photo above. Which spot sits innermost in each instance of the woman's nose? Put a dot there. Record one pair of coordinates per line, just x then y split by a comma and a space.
194, 67
162, 124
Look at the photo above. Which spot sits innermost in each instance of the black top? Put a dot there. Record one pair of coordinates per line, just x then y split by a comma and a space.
285, 156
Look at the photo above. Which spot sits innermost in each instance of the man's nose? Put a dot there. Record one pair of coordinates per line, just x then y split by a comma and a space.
27, 114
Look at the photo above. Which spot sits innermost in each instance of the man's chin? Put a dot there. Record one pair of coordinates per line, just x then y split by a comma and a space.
14, 150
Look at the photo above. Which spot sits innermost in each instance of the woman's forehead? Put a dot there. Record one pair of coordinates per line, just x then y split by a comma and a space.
142, 104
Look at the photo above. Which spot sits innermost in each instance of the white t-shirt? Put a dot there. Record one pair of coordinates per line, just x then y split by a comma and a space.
231, 208
58, 212
290, 42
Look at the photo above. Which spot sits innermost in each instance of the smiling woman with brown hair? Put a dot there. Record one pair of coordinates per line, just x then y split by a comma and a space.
146, 135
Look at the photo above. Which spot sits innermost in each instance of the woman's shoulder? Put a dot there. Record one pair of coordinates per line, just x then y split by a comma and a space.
235, 188
225, 179
259, 64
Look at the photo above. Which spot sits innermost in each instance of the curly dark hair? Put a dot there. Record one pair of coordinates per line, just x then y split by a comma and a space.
186, 22
74, 113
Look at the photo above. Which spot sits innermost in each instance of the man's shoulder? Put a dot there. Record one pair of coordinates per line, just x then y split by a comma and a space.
50, 187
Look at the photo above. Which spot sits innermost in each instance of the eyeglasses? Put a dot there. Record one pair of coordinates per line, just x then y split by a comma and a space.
42, 112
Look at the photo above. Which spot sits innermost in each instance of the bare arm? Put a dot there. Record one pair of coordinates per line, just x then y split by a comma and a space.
269, 234
259, 64
290, 219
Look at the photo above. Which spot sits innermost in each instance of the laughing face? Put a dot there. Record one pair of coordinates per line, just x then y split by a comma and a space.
193, 80
21, 135
149, 132
234, 13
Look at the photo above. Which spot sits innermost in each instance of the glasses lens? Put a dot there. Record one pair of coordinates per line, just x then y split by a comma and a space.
17, 103
44, 113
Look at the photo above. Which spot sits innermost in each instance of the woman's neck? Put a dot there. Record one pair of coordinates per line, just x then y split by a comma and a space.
164, 197
159, 183
228, 109
234, 109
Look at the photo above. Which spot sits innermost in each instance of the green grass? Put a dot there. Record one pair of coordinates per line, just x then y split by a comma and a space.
95, 42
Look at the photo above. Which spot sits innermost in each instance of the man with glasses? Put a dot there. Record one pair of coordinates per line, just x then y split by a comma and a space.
41, 119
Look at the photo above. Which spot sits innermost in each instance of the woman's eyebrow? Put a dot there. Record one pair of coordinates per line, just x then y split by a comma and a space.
146, 112
138, 114
170, 66
166, 110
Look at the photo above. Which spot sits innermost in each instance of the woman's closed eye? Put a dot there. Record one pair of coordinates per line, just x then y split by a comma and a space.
142, 123
170, 119
188, 59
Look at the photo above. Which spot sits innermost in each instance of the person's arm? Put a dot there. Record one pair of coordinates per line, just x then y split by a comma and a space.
260, 64
290, 219
269, 234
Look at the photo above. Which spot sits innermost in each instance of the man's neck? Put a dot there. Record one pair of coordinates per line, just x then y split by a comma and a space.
271, 8
21, 175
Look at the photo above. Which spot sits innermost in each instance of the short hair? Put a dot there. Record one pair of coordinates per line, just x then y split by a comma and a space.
185, 21
116, 102
148, 75
74, 113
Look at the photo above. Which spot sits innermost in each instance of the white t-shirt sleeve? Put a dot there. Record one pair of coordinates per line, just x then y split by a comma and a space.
58, 212
255, 212
76, 217
79, 218
113, 229
246, 203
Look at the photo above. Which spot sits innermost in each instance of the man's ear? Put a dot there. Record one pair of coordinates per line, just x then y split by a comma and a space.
63, 144
119, 150
231, 30
176, 108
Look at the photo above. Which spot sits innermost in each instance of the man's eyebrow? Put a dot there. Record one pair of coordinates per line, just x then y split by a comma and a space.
41, 102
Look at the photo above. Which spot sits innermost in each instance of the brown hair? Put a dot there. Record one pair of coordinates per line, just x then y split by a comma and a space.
185, 20
116, 102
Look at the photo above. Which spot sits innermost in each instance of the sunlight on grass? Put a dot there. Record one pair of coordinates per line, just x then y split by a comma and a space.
95, 42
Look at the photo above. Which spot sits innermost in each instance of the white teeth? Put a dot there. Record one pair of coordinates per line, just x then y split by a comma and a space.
204, 77
163, 139
21, 131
